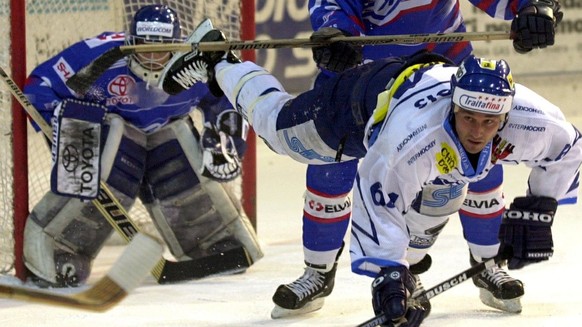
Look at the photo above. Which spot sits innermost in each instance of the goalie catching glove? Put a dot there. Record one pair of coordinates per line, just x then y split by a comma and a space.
222, 145
391, 292
525, 233
337, 56
535, 25
186, 69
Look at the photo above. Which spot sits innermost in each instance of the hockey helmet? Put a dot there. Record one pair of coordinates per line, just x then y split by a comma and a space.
152, 24
484, 86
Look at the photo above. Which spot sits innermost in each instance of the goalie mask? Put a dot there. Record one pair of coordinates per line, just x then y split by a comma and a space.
152, 24
484, 86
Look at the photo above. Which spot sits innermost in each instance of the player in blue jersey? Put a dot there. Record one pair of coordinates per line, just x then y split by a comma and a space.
434, 124
142, 142
330, 185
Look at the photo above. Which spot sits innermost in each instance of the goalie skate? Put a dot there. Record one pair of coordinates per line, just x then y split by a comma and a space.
306, 294
499, 290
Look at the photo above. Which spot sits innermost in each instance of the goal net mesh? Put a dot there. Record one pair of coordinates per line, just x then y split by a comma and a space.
51, 26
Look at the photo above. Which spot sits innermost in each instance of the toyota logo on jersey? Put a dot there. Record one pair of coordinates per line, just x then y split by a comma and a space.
121, 85
121, 92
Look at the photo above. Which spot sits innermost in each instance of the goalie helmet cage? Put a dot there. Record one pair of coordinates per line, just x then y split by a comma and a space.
33, 32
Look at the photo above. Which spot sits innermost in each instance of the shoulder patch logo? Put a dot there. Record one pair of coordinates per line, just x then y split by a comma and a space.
501, 149
446, 159
63, 69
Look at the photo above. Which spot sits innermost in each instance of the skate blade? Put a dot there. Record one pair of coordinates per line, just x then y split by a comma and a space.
280, 312
509, 305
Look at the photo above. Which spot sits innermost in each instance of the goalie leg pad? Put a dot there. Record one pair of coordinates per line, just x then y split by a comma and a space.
124, 155
194, 215
63, 235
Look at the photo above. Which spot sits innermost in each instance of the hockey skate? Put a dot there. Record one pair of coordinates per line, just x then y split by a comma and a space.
186, 69
499, 290
304, 295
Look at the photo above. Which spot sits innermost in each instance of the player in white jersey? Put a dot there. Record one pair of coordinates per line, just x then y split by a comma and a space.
533, 25
428, 122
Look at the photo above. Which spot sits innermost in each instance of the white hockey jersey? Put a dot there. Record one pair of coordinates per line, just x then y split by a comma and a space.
416, 146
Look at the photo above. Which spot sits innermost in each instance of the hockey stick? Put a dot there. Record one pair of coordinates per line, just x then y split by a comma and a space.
126, 274
308, 43
442, 287
108, 205
83, 79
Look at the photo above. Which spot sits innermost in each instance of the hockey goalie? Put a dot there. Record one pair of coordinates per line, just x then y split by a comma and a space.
142, 142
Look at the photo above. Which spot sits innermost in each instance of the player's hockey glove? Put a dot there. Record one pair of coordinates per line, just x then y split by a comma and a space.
535, 25
191, 67
337, 56
525, 233
222, 145
391, 292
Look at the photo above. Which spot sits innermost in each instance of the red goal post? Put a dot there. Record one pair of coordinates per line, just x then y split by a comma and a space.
37, 30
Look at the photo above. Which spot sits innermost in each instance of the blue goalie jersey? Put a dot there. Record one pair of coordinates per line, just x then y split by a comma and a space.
141, 104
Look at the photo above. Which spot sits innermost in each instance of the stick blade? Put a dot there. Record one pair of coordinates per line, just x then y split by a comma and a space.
136, 262
127, 273
231, 261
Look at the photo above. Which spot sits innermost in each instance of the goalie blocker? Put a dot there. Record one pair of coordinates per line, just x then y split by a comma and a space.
76, 149
195, 215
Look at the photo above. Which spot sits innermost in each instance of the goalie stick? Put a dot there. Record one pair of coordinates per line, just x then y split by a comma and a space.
130, 269
165, 271
83, 79
441, 287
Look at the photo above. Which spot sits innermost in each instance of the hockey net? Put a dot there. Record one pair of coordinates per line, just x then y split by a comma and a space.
50, 27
